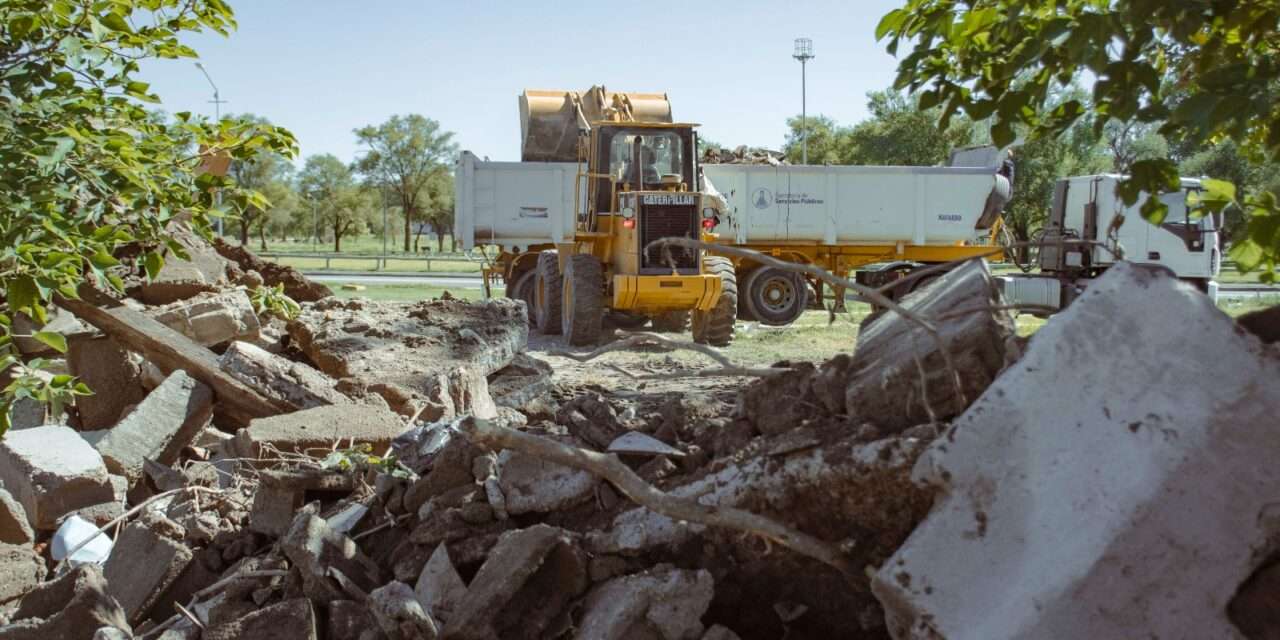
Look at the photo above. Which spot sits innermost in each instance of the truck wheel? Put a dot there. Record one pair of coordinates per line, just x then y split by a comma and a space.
671, 322
774, 296
744, 309
547, 292
715, 327
523, 287
583, 299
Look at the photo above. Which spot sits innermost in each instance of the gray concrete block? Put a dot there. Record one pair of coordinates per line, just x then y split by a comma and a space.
51, 471
142, 566
107, 369
165, 422
319, 428
15, 528
21, 569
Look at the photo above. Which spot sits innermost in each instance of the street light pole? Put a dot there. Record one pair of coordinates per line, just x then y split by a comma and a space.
217, 117
803, 53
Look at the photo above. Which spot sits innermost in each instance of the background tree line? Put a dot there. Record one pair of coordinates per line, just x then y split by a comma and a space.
406, 171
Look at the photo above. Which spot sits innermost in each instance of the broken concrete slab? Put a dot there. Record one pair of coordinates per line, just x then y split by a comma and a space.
639, 444
107, 369
281, 493
884, 384
433, 355
399, 614
15, 528
51, 471
289, 620
72, 606
662, 603
524, 585
211, 318
440, 590
317, 430
316, 549
296, 285
182, 278
590, 416
519, 383
530, 484
280, 378
138, 584
57, 319
21, 569
168, 419
1107, 439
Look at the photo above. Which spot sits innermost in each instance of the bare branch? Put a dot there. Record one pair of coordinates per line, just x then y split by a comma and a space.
631, 485
727, 366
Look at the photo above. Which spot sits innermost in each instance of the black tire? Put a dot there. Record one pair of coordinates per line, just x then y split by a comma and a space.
715, 327
548, 292
775, 297
744, 310
583, 295
523, 286
671, 322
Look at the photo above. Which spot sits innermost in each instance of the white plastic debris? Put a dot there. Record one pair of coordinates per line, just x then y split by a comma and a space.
75, 530
636, 443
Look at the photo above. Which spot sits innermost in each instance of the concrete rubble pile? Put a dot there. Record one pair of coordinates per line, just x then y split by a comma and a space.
321, 484
743, 155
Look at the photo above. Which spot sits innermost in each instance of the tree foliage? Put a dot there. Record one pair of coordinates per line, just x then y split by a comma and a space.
338, 202
84, 166
405, 154
265, 173
1201, 71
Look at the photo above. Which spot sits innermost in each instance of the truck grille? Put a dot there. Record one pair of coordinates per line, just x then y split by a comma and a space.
658, 222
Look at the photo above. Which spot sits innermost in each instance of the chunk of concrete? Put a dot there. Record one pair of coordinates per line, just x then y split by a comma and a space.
107, 369
662, 603
15, 528
884, 379
521, 382
296, 285
440, 589
159, 428
281, 493
203, 270
71, 607
533, 485
21, 569
211, 318
399, 615
314, 549
525, 584
289, 620
277, 377
433, 355
317, 430
51, 471
57, 319
1133, 487
143, 564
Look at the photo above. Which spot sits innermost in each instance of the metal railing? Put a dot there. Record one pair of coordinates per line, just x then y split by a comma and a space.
379, 262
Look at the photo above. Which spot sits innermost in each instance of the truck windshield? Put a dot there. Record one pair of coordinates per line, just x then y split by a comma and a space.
647, 160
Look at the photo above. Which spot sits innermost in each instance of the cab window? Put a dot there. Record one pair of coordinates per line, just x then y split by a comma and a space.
645, 160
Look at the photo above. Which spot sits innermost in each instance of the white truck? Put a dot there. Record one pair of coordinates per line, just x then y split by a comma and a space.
1084, 209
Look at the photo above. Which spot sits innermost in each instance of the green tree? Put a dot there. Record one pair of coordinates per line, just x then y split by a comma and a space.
280, 215
405, 153
1001, 59
899, 132
85, 167
825, 140
331, 192
258, 173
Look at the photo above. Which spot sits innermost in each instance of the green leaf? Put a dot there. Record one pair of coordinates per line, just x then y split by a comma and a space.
116, 22
55, 340
153, 262
1247, 255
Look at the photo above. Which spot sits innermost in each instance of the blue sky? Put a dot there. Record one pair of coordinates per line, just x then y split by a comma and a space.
324, 67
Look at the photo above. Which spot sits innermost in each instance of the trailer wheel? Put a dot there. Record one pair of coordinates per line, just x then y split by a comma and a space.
715, 327
523, 287
583, 296
775, 297
671, 322
547, 292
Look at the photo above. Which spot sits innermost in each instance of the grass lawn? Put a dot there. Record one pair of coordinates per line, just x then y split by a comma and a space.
403, 292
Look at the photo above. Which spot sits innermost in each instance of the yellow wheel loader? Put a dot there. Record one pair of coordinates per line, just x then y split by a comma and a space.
635, 182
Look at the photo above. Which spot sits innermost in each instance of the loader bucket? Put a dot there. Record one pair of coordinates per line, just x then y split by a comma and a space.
551, 121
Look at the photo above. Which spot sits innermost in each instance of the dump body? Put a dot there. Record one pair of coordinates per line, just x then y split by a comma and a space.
513, 204
839, 205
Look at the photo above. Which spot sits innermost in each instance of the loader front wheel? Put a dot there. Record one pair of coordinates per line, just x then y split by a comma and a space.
523, 287
583, 295
715, 327
671, 322
547, 292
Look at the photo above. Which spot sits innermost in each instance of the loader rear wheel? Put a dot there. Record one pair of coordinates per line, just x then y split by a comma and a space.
583, 296
775, 297
523, 287
671, 322
547, 293
715, 327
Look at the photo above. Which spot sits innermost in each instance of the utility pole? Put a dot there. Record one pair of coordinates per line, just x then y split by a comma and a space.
217, 117
803, 53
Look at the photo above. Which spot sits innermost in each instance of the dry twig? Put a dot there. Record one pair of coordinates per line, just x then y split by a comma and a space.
610, 468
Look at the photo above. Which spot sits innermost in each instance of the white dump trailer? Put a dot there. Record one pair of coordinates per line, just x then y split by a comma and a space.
837, 217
